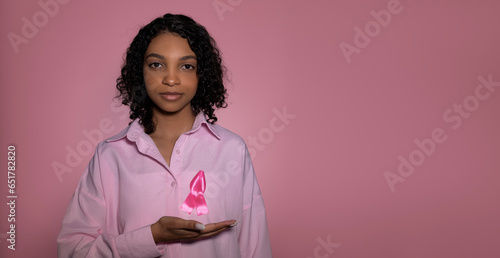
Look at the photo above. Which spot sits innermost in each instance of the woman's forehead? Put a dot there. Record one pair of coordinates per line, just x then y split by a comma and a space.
169, 43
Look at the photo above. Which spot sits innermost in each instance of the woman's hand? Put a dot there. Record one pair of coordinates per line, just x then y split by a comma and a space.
171, 229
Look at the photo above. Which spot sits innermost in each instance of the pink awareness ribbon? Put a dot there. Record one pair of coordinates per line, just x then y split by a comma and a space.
195, 199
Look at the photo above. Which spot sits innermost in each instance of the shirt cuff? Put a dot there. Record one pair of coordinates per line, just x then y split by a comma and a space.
138, 243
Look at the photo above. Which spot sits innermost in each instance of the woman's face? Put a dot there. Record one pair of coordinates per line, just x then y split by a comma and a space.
170, 73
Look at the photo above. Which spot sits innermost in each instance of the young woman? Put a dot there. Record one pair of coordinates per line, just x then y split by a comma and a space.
173, 183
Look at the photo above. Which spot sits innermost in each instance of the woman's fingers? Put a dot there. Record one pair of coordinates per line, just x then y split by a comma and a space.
211, 227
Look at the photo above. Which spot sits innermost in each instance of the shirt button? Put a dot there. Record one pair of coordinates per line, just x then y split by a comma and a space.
177, 151
173, 184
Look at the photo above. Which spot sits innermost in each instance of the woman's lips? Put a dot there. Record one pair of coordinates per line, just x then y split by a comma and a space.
171, 96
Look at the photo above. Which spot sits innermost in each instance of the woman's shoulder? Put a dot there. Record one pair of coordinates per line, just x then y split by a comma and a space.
226, 134
130, 133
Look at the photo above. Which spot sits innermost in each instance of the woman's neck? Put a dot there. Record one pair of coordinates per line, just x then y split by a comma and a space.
172, 125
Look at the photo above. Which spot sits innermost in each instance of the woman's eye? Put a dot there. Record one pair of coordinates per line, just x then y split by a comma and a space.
155, 65
189, 67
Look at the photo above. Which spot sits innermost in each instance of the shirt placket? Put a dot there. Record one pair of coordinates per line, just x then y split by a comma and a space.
173, 190
176, 157
175, 168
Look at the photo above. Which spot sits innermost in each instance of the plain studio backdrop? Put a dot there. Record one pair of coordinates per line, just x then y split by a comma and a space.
373, 125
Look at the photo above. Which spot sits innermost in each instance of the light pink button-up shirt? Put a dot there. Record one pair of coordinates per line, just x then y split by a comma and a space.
128, 186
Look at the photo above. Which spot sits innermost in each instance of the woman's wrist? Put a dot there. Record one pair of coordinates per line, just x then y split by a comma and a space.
155, 230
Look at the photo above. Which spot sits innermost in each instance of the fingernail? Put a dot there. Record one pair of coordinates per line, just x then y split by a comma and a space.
234, 224
199, 226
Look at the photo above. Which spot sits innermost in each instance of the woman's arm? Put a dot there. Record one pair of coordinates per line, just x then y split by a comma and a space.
254, 235
84, 232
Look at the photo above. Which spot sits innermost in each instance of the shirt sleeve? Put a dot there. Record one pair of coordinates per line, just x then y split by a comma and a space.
84, 232
254, 236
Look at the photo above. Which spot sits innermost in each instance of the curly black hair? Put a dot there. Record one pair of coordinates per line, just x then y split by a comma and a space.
210, 94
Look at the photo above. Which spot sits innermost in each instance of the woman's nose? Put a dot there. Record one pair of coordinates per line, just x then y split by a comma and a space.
170, 79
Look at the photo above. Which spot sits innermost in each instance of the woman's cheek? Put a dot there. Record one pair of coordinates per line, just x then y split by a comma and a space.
150, 81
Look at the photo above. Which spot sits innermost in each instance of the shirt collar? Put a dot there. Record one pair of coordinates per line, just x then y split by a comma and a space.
135, 130
201, 120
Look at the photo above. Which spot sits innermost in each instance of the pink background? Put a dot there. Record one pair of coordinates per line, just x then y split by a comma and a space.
322, 174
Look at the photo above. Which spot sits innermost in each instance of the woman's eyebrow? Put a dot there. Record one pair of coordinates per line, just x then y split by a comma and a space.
184, 58
155, 55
